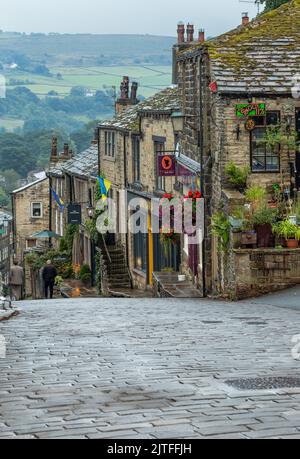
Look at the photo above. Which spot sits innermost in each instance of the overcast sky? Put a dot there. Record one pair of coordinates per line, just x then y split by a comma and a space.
158, 17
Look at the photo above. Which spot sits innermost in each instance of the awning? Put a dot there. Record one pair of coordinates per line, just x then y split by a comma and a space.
45, 235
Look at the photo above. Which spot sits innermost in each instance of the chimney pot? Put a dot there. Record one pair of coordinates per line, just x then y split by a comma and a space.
245, 19
201, 37
190, 33
125, 88
134, 88
54, 147
180, 33
95, 139
66, 149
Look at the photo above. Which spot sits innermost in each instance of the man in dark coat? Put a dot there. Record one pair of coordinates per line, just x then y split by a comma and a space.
49, 275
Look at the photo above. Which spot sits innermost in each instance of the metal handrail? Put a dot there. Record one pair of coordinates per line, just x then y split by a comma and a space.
106, 249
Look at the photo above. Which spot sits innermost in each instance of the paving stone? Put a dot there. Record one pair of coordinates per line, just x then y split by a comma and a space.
147, 369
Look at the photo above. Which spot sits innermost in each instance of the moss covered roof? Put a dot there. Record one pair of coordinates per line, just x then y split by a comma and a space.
262, 56
164, 101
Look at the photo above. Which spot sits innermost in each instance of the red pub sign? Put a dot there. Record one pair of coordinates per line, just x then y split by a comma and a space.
166, 165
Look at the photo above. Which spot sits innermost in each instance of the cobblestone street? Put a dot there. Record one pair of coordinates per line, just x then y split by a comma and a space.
118, 368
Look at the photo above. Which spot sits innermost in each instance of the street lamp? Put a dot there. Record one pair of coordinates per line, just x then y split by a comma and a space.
177, 119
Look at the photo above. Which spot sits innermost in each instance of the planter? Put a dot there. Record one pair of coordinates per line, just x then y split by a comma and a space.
249, 238
292, 244
265, 236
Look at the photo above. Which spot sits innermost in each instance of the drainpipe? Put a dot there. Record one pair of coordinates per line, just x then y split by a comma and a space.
125, 186
50, 209
201, 148
13, 223
99, 163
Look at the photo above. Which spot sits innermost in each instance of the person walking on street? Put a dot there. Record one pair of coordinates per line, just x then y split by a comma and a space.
16, 281
49, 275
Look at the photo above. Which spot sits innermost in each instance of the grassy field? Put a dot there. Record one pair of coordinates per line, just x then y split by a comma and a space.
151, 79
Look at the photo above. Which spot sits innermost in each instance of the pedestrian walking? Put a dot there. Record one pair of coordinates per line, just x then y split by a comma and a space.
49, 275
16, 281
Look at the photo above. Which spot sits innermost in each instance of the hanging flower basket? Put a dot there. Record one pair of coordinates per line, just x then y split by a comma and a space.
191, 216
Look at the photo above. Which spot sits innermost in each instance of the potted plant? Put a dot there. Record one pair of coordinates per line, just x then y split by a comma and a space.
289, 231
263, 219
85, 275
220, 226
256, 196
237, 176
242, 227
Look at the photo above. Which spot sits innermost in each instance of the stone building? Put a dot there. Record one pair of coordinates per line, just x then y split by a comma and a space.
31, 215
57, 183
6, 246
233, 87
129, 146
74, 180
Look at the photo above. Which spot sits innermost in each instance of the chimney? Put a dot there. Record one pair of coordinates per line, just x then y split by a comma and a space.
125, 88
66, 150
201, 36
180, 33
245, 19
190, 33
54, 148
134, 88
95, 139
124, 101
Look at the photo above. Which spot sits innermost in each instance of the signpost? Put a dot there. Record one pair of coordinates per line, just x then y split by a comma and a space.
166, 165
74, 214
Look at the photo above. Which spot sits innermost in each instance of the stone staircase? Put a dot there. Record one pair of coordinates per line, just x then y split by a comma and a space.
118, 276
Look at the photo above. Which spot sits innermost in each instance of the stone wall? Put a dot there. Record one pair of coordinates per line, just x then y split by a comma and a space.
259, 271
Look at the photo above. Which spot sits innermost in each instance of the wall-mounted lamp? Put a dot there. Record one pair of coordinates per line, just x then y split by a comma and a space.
177, 119
90, 211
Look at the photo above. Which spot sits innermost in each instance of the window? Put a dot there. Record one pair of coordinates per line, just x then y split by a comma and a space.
159, 148
30, 243
263, 158
36, 210
110, 144
136, 159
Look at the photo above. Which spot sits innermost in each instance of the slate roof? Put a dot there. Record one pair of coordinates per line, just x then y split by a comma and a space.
29, 185
84, 164
165, 101
262, 57
55, 169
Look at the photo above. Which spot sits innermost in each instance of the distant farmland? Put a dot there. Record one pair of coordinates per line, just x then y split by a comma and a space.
151, 79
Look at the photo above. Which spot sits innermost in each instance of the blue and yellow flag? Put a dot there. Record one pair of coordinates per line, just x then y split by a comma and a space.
59, 201
105, 186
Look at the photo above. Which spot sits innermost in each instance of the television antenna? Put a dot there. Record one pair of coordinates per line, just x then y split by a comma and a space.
254, 2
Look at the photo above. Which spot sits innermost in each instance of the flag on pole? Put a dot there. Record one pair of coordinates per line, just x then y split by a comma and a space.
59, 201
105, 186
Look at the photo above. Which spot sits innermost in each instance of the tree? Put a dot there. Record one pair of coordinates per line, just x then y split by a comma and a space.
272, 4
4, 198
11, 180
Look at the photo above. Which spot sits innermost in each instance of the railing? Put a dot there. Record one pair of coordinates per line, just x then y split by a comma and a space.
106, 249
